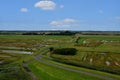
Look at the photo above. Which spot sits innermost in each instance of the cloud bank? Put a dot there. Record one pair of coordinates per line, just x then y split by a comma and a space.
45, 5
63, 24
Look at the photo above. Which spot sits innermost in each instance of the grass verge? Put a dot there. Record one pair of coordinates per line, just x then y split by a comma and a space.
46, 72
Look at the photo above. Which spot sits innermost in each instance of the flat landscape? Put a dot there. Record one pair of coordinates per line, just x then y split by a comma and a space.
50, 57
59, 39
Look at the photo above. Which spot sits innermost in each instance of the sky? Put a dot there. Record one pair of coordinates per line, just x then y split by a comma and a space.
80, 15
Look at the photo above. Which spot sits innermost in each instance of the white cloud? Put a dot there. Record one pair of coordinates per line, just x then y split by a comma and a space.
69, 20
45, 5
24, 10
63, 24
61, 6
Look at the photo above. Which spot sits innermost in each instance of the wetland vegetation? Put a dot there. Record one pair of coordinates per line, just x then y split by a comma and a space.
98, 55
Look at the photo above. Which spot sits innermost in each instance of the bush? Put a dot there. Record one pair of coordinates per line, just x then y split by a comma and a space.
65, 51
51, 49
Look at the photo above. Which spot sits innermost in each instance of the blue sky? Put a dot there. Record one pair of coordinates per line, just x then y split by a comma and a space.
102, 15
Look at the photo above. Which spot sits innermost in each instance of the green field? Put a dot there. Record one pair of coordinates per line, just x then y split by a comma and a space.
46, 72
11, 66
94, 53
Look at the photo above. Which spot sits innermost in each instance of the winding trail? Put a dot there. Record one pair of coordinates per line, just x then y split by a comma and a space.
39, 57
25, 65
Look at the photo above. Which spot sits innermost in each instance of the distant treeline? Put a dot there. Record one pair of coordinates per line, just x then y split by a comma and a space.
59, 32
37, 33
50, 33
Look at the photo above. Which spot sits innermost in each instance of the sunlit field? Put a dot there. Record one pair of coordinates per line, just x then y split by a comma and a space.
95, 53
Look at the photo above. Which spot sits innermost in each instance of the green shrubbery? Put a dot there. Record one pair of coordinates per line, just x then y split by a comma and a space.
65, 51
89, 66
13, 71
51, 49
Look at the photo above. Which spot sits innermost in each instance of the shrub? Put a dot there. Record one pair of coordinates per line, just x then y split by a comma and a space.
51, 49
65, 51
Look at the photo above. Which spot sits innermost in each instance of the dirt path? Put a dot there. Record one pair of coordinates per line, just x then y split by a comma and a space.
38, 58
25, 65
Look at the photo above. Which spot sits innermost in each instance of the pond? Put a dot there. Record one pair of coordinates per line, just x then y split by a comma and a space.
11, 47
1, 62
16, 51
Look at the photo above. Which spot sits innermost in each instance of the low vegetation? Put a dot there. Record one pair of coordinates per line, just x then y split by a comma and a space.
46, 72
11, 67
94, 52
65, 51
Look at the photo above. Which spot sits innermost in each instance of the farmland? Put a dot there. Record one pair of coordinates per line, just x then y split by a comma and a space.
95, 54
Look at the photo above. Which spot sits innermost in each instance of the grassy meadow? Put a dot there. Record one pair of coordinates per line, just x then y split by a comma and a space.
94, 53
45, 72
11, 67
